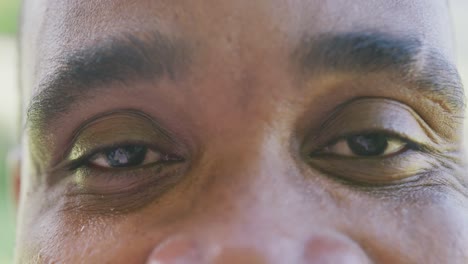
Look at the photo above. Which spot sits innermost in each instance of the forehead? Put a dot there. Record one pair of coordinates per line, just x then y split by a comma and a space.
52, 28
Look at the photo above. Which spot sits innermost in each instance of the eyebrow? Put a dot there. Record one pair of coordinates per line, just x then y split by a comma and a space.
127, 57
114, 59
371, 52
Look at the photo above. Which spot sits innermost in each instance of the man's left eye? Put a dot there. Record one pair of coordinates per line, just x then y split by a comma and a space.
126, 157
367, 145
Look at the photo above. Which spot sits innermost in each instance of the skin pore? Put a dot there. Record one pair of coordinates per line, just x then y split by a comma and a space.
241, 132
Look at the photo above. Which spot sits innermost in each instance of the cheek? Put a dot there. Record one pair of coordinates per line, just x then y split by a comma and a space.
429, 233
65, 238
445, 230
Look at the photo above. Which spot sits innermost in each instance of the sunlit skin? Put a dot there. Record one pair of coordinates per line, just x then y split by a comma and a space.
296, 131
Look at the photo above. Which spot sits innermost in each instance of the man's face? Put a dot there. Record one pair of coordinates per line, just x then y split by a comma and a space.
241, 132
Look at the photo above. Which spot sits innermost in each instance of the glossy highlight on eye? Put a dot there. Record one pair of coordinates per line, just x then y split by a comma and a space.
124, 156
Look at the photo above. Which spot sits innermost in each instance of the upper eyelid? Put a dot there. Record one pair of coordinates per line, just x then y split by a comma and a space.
342, 119
413, 130
133, 113
393, 134
412, 145
149, 132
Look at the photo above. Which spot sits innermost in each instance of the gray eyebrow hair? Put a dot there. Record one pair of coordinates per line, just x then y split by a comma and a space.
370, 52
114, 59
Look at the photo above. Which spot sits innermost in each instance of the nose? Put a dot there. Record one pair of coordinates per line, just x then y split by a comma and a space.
255, 215
186, 251
175, 251
320, 249
333, 248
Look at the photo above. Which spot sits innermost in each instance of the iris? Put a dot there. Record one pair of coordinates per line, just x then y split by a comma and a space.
368, 145
126, 156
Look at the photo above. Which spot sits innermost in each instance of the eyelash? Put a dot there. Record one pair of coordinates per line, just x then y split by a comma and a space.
156, 173
410, 144
85, 160
94, 180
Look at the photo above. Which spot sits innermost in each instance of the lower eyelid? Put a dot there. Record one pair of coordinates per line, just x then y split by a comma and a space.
118, 195
102, 180
377, 170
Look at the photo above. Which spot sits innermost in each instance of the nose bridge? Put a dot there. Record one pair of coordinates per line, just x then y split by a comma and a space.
251, 174
239, 205
249, 210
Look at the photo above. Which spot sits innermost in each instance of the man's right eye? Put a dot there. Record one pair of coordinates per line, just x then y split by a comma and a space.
122, 152
119, 161
127, 156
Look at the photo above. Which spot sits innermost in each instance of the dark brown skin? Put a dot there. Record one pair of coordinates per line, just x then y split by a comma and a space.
247, 125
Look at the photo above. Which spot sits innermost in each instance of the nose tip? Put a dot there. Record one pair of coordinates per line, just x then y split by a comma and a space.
334, 249
175, 251
185, 251
319, 249
239, 255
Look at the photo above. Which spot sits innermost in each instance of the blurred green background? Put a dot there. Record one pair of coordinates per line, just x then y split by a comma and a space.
9, 99
8, 116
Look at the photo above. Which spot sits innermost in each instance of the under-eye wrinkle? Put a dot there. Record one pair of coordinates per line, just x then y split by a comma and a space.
376, 141
121, 149
120, 159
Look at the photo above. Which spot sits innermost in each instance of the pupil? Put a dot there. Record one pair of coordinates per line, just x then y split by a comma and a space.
368, 145
127, 156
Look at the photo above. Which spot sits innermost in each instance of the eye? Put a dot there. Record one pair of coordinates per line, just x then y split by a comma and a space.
367, 145
127, 156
